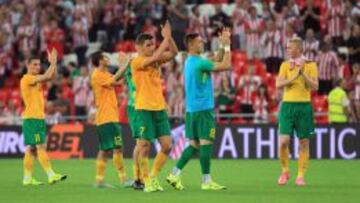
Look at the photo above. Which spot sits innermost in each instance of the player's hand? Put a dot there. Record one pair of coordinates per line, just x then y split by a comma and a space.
166, 30
52, 56
225, 36
123, 59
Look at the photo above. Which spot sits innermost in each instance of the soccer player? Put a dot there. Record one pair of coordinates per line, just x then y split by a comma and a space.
151, 116
34, 127
107, 117
138, 182
200, 119
297, 77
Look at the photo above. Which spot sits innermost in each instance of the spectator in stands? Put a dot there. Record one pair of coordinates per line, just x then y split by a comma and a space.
26, 37
336, 20
179, 19
261, 105
80, 37
3, 118
311, 45
310, 15
55, 38
9, 115
200, 24
239, 17
354, 114
344, 69
356, 81
177, 103
353, 45
219, 20
225, 95
81, 91
328, 67
339, 111
150, 28
247, 86
271, 40
157, 11
253, 29
266, 13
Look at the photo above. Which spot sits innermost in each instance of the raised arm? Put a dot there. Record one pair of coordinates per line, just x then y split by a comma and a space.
225, 63
161, 54
123, 60
51, 72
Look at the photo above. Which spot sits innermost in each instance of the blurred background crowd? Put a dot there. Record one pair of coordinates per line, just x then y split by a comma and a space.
260, 29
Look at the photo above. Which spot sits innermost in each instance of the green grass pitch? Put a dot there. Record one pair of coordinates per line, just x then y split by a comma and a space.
248, 181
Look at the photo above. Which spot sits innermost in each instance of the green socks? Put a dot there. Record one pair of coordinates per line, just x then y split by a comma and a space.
187, 154
205, 156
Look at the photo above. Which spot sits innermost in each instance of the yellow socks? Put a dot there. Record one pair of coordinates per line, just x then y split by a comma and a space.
136, 171
284, 159
28, 165
159, 162
100, 170
45, 162
119, 164
303, 162
144, 168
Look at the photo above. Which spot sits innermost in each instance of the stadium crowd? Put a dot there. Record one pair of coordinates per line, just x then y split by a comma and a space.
261, 29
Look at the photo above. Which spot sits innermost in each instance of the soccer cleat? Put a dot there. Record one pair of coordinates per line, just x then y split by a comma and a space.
127, 183
156, 184
149, 187
175, 182
103, 185
284, 178
300, 181
138, 185
212, 186
56, 178
32, 181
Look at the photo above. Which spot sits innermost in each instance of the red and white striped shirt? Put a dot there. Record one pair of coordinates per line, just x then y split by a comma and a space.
328, 65
311, 49
272, 42
200, 25
80, 35
253, 38
240, 16
26, 36
357, 88
249, 84
261, 108
287, 37
336, 22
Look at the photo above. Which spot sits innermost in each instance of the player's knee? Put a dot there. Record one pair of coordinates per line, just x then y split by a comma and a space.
166, 148
118, 151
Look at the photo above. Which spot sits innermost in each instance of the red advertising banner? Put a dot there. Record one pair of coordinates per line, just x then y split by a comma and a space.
64, 141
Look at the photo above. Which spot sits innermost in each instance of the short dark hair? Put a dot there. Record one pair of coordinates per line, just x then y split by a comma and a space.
33, 57
141, 38
96, 57
189, 38
342, 56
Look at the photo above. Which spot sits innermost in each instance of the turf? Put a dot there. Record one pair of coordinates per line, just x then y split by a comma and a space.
335, 181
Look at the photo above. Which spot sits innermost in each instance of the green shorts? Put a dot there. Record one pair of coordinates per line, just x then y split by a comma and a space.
34, 131
131, 115
109, 136
200, 125
296, 116
151, 125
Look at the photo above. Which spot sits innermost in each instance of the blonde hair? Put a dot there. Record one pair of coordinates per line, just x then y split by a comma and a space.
298, 41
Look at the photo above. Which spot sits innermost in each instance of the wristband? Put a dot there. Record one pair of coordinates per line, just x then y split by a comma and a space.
227, 48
